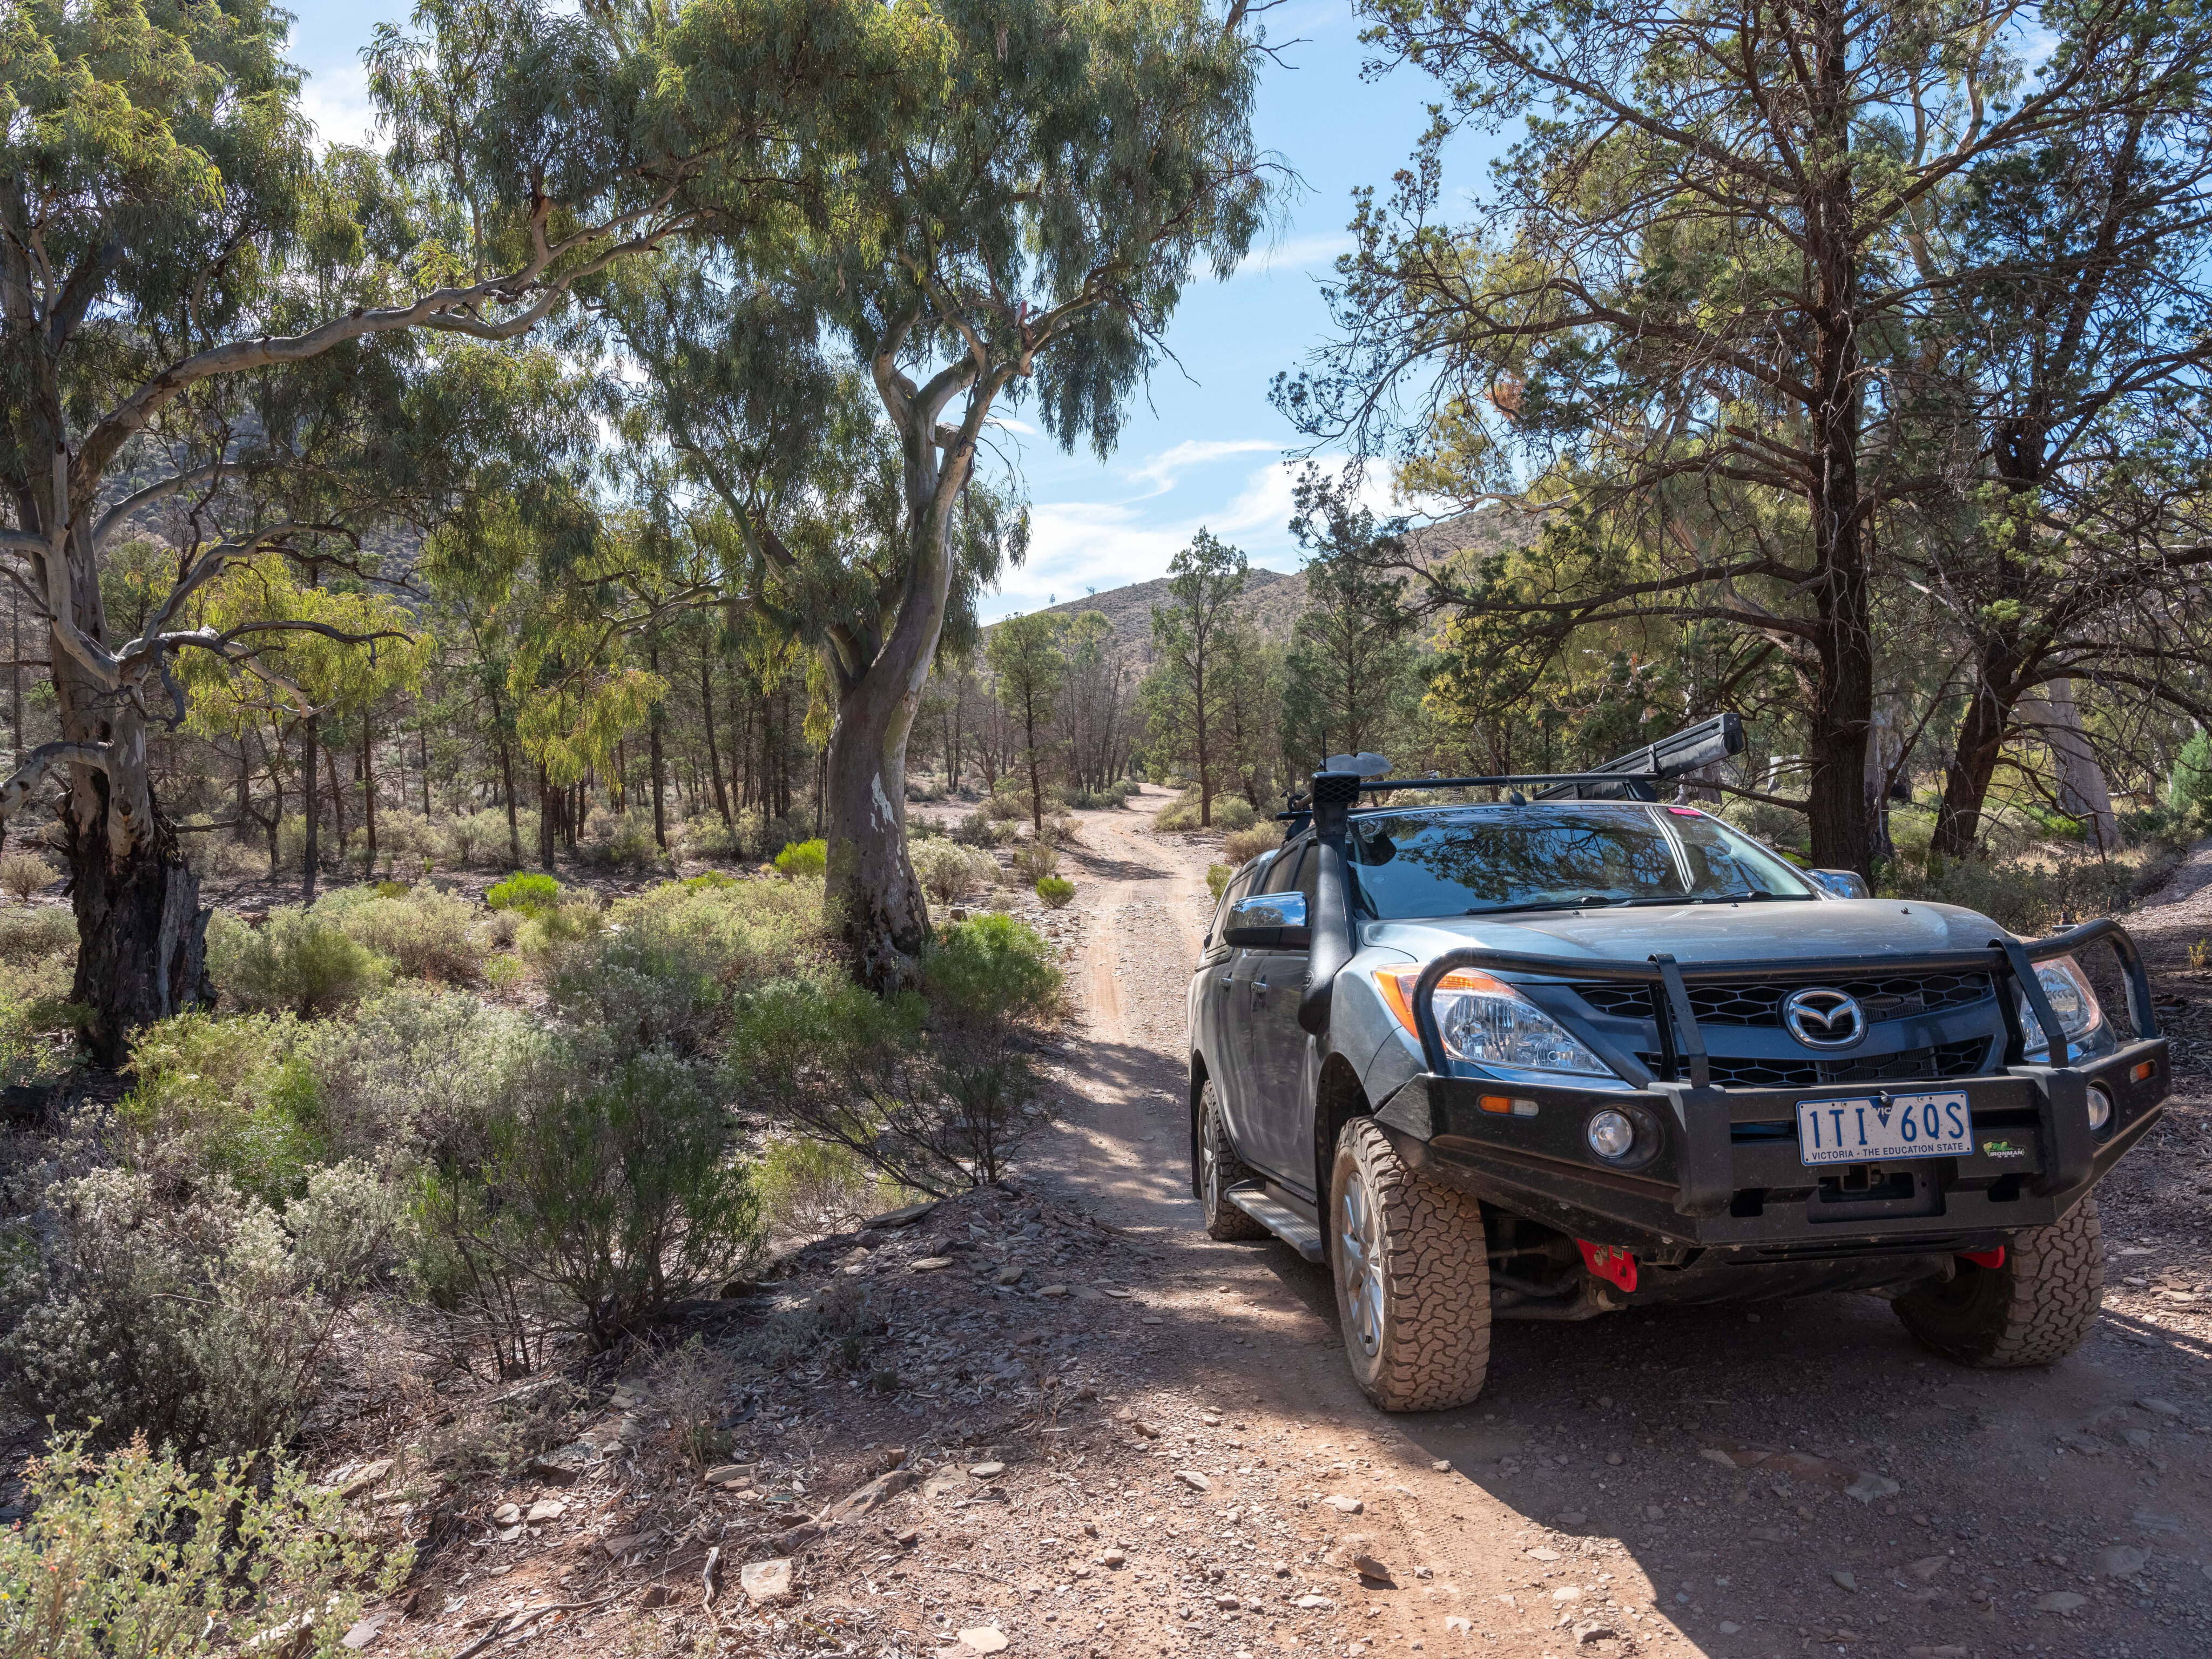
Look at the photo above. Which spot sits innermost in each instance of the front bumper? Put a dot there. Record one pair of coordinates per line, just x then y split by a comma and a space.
1724, 1170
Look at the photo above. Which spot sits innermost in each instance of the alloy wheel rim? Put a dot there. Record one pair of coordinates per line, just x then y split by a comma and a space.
1210, 1161
1359, 1265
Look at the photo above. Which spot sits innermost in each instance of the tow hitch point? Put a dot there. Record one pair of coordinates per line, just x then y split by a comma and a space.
1609, 1263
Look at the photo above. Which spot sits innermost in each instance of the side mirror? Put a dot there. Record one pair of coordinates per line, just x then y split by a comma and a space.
1840, 884
1267, 922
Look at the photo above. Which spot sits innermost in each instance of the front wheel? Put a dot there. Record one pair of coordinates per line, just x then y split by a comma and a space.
1412, 1278
2033, 1309
1219, 1170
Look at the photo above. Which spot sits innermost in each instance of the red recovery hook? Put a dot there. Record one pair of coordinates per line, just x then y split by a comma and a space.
1609, 1263
1991, 1259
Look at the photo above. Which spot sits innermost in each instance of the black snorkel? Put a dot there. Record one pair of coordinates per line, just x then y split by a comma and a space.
1329, 926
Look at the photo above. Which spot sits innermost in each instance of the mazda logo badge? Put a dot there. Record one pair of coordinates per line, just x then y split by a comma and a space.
1821, 1018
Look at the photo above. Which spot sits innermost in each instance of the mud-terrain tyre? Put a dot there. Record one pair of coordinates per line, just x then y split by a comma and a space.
1219, 1170
1412, 1278
2033, 1309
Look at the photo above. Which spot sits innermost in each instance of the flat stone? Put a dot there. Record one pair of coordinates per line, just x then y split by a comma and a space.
1442, 1466
987, 1471
900, 1218
729, 1474
930, 1264
365, 1631
1940, 1651
1368, 1566
545, 1509
1113, 1557
2160, 1408
351, 1483
2060, 1601
506, 1515
1540, 1554
1458, 1625
1848, 1580
1052, 1292
1729, 1627
1314, 1603
1194, 1479
944, 1481
1572, 1518
2087, 1446
1870, 1486
879, 1491
623, 1544
1010, 1274
1344, 1505
1151, 1319
1927, 1567
1227, 1603
983, 1638
766, 1583
2151, 1522
1594, 1632
2120, 1561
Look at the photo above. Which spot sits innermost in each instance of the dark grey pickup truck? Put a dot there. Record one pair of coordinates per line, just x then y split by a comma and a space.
1581, 1049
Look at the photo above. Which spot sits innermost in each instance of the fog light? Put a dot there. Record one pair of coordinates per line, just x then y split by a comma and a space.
1611, 1134
2100, 1110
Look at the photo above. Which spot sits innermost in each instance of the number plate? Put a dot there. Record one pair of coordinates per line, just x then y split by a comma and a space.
1882, 1128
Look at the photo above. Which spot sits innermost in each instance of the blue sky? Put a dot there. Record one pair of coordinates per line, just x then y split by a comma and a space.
1203, 446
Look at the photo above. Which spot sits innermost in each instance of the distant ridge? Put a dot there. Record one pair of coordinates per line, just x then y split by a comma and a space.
1273, 600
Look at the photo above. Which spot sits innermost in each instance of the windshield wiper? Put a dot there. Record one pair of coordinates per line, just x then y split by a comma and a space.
1589, 900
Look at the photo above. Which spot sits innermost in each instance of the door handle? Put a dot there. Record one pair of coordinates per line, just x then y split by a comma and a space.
1225, 980
1259, 990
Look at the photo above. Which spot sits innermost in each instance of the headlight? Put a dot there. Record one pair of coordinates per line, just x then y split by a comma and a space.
2072, 999
1488, 1022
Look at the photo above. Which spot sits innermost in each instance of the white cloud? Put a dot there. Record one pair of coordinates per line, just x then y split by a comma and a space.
336, 99
1166, 469
1295, 254
1011, 424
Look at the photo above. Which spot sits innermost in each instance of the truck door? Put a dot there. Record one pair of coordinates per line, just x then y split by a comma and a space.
1279, 1109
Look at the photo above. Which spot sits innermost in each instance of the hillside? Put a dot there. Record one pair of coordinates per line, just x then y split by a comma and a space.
1273, 601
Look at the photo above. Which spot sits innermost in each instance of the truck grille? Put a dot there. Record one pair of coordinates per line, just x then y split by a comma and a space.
1946, 1060
1759, 1002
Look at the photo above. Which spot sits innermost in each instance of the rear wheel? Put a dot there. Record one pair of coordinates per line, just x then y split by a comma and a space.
1412, 1278
2033, 1309
1219, 1170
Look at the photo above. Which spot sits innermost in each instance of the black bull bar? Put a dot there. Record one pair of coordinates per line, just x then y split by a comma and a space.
1714, 1167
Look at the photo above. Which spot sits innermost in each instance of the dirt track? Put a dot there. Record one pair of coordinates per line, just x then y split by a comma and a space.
1663, 1482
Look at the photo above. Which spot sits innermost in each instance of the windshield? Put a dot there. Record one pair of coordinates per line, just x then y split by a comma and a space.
1464, 861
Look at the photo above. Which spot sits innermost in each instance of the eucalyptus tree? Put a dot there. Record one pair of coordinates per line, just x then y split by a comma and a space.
1019, 193
1689, 293
1185, 693
1028, 657
167, 227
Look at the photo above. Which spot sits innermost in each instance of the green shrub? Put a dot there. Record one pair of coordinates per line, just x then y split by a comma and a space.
408, 839
946, 871
992, 971
1055, 891
1234, 813
1180, 813
1006, 806
662, 972
426, 934
812, 1189
1216, 880
132, 1555
976, 830
707, 881
546, 934
708, 837
24, 874
528, 891
614, 1192
1035, 860
295, 959
2026, 898
618, 841
32, 935
184, 1309
481, 837
2191, 786
418, 1072
1115, 794
802, 858
227, 1095
1242, 846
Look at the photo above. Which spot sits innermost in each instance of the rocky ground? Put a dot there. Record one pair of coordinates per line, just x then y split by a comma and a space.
1061, 1421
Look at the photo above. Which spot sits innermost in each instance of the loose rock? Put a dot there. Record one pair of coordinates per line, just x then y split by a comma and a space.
766, 1583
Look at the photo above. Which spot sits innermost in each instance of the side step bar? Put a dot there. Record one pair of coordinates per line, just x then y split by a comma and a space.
1276, 1216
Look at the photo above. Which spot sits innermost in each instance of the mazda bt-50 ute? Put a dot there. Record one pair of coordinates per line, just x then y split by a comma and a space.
1580, 1049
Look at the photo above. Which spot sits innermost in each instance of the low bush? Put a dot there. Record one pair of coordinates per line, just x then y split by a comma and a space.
295, 959
1233, 813
708, 837
976, 830
426, 934
1035, 860
410, 840
418, 1072
992, 972
228, 1095
1115, 794
132, 1553
2025, 897
802, 858
1006, 807
544, 933
184, 1309
24, 874
946, 870
661, 974
1179, 814
812, 1189
612, 1193
35, 935
619, 841
482, 836
1056, 891
528, 891
1217, 879
1242, 846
